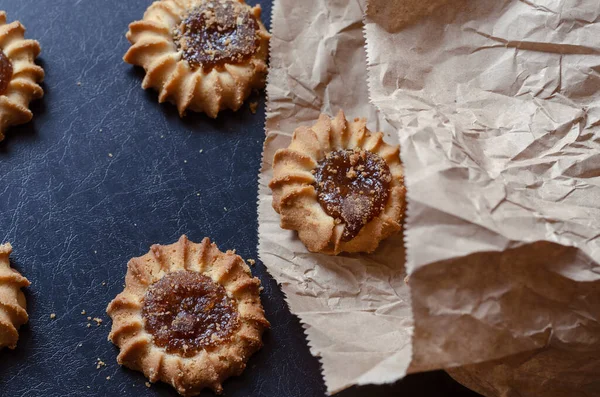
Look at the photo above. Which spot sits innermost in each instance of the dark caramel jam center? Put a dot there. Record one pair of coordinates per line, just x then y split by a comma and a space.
217, 32
353, 187
6, 72
186, 312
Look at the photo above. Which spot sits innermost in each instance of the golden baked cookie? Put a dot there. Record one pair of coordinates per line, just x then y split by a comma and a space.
190, 316
13, 309
203, 55
19, 75
339, 186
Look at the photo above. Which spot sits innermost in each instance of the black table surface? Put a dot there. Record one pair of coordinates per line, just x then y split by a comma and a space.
104, 171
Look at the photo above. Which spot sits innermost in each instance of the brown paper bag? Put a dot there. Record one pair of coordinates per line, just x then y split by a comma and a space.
497, 269
497, 107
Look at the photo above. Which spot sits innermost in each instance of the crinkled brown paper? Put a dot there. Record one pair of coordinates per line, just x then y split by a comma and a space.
355, 309
497, 108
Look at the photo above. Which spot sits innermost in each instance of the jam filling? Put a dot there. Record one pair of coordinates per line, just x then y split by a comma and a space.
353, 187
186, 312
6, 72
217, 32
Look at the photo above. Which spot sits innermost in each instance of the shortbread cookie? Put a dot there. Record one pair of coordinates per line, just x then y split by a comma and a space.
19, 75
339, 186
13, 309
190, 316
202, 55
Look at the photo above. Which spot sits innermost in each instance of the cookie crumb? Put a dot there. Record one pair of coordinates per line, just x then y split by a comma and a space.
252, 262
108, 378
83, 312
52, 316
253, 106
98, 321
100, 364
89, 325
201, 150
79, 83
148, 384
110, 155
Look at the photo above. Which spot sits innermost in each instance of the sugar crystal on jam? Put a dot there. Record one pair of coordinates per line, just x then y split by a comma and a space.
353, 187
186, 312
217, 32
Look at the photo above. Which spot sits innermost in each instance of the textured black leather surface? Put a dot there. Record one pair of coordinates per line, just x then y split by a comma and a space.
102, 173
